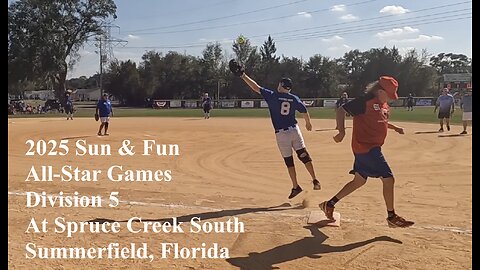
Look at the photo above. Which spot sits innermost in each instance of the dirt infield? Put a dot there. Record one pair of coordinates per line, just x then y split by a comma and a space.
232, 168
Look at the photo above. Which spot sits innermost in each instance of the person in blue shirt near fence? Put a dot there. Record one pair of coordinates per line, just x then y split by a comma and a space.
446, 104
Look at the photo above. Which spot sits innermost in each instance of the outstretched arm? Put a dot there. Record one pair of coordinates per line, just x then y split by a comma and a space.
251, 83
396, 128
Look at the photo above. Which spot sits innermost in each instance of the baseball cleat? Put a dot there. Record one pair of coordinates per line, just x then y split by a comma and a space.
397, 221
295, 192
327, 210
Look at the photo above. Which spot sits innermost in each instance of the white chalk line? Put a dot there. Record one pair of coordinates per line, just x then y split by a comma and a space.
270, 213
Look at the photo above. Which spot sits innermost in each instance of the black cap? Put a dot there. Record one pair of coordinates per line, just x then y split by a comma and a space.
286, 83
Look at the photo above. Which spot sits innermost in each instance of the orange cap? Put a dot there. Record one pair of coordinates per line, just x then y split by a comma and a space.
390, 85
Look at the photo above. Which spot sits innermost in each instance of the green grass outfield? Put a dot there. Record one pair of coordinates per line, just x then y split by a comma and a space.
420, 114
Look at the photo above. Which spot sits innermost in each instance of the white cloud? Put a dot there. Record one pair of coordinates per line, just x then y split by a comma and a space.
395, 32
342, 47
348, 17
419, 39
221, 41
333, 39
131, 37
394, 10
305, 14
338, 8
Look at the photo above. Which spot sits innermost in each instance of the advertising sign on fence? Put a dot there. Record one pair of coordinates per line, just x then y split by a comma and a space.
309, 103
228, 104
330, 103
175, 103
423, 102
247, 104
190, 104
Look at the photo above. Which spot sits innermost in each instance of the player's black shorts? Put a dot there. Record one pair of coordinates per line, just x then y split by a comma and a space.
372, 164
206, 108
442, 114
68, 109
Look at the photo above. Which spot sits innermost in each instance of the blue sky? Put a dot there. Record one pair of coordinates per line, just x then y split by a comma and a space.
300, 28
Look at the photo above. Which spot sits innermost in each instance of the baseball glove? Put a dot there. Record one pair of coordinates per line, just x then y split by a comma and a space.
236, 68
96, 117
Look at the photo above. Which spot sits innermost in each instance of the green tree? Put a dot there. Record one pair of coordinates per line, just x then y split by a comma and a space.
323, 76
451, 63
47, 34
269, 62
123, 81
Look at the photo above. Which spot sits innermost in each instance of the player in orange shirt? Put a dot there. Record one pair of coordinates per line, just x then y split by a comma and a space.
370, 124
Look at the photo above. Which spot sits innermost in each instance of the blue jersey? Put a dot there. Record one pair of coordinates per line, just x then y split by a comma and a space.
282, 107
206, 101
445, 102
104, 107
68, 102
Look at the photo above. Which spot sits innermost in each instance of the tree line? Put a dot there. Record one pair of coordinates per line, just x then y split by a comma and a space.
44, 38
178, 76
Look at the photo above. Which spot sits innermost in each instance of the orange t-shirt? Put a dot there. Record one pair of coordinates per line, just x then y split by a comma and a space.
370, 122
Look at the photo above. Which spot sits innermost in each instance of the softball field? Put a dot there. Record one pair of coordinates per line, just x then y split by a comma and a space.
231, 167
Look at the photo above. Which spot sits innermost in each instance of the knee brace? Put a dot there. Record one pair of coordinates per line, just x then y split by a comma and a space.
289, 161
303, 155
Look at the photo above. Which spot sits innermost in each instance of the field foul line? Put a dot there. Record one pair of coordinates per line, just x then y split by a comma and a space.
347, 220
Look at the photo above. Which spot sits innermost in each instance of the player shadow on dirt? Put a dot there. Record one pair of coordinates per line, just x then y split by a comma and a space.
310, 247
453, 135
211, 215
77, 137
427, 132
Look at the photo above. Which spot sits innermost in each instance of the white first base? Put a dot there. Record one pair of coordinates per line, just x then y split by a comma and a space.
318, 218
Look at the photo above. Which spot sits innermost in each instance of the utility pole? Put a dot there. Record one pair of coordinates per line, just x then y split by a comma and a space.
105, 43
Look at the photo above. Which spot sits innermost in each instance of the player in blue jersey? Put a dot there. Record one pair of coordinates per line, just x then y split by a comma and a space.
206, 105
446, 103
104, 111
68, 106
282, 106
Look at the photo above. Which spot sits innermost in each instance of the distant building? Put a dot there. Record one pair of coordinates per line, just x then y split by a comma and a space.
39, 94
87, 94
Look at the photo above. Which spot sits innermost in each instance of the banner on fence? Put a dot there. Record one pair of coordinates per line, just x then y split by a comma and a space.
190, 104
330, 103
160, 103
423, 102
247, 104
263, 104
228, 104
175, 103
309, 103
